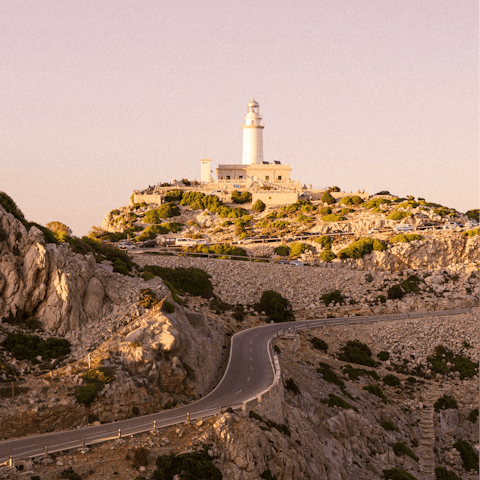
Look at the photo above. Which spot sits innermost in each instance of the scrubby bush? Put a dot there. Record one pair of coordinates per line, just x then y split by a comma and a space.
405, 238
383, 356
398, 215
362, 247
164, 211
357, 352
333, 218
147, 298
325, 241
335, 401
473, 214
334, 189
327, 198
381, 299
191, 280
471, 233
346, 201
258, 206
275, 306
168, 307
410, 285
239, 313
469, 457
335, 297
194, 465
173, 196
244, 197
327, 256
441, 473
329, 375
376, 390
395, 292
28, 347
397, 474
140, 457
345, 211
297, 248
98, 376
325, 211
389, 426
376, 202
445, 403
219, 249
354, 373
282, 250
391, 380
473, 415
319, 344
86, 394
291, 386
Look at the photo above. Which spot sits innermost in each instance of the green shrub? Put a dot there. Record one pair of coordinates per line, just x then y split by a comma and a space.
345, 211
173, 196
335, 297
473, 416
327, 198
319, 344
335, 401
389, 426
28, 347
361, 247
267, 475
398, 215
400, 448
147, 276
244, 197
282, 250
376, 390
395, 292
11, 207
469, 457
86, 394
325, 241
219, 249
327, 256
297, 248
391, 380
410, 285
168, 307
405, 238
381, 299
275, 306
164, 211
383, 356
276, 348
333, 218
411, 380
334, 189
473, 214
346, 201
325, 211
354, 373
98, 375
464, 366
358, 356
329, 375
471, 233
194, 465
445, 403
147, 298
397, 474
255, 415
291, 386
375, 202
191, 280
70, 474
258, 206
441, 473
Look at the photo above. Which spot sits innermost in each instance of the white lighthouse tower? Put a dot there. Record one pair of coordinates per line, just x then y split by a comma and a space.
252, 135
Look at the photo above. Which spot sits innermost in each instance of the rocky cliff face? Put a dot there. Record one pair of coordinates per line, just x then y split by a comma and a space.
63, 290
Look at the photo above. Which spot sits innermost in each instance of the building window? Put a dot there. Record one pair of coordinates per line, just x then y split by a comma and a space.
228, 177
267, 177
241, 177
279, 177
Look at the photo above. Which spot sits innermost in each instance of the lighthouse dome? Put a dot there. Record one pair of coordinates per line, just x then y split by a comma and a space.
253, 103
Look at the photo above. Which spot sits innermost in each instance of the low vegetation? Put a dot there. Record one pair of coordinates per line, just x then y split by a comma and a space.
405, 238
376, 390
28, 347
391, 380
319, 344
241, 197
276, 307
335, 297
400, 448
357, 352
157, 215
445, 403
334, 401
389, 426
362, 247
355, 373
441, 473
291, 386
397, 474
468, 454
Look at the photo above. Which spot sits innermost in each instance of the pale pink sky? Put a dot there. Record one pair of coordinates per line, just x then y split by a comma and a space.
100, 98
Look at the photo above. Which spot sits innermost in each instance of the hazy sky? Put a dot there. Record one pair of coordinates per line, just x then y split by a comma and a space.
100, 98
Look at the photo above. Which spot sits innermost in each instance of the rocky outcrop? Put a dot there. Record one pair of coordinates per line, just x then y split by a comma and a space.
63, 290
430, 253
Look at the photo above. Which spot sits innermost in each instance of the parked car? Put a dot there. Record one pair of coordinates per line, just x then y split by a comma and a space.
298, 263
405, 227
471, 224
126, 245
187, 242
374, 230
148, 244
451, 226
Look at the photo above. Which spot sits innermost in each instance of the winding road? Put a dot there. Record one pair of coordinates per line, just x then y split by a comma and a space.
250, 371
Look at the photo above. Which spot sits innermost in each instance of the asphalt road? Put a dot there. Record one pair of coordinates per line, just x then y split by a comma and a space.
249, 372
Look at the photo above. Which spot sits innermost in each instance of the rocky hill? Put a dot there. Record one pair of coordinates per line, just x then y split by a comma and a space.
90, 334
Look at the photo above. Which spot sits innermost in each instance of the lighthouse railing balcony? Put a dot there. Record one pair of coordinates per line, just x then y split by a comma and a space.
259, 124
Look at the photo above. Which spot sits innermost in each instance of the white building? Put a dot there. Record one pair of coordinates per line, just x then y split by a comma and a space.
252, 135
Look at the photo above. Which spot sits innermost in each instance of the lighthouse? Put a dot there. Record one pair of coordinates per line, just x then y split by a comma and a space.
252, 135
